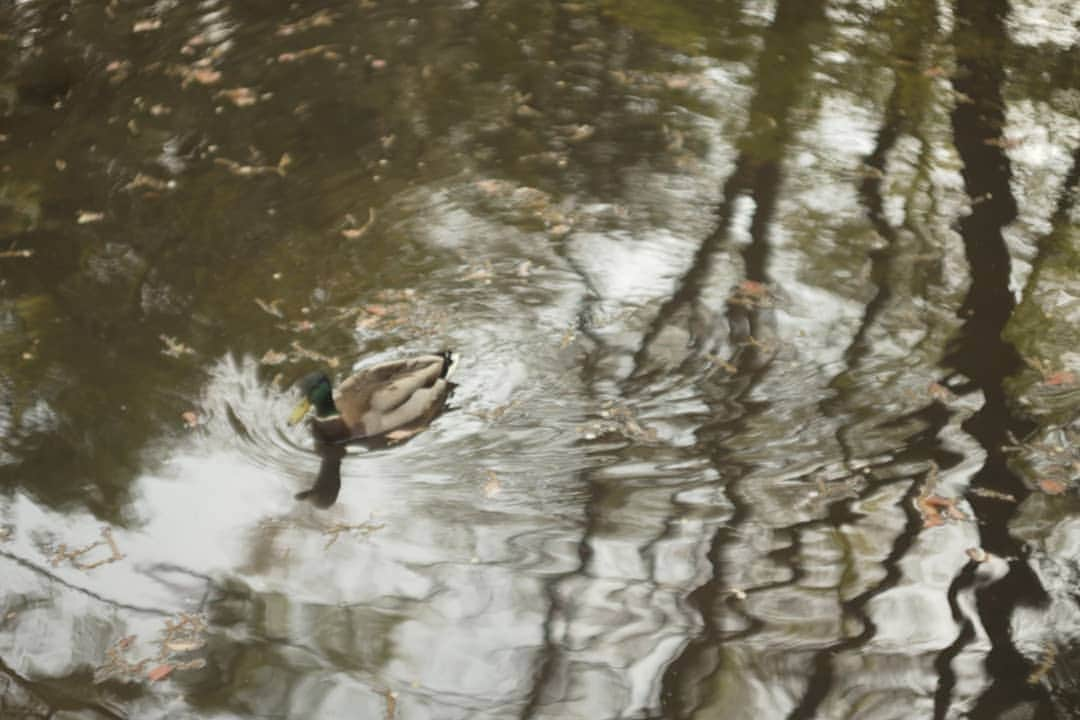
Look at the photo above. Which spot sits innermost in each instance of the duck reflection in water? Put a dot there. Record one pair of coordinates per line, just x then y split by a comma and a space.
324, 492
381, 405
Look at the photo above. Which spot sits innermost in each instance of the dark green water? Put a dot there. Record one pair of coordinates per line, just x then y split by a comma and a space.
768, 315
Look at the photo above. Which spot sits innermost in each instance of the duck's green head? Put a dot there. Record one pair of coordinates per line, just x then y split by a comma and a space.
318, 393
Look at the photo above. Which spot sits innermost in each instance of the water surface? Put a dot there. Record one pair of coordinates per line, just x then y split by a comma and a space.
767, 313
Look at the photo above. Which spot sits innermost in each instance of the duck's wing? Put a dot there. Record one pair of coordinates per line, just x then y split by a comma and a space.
384, 396
413, 414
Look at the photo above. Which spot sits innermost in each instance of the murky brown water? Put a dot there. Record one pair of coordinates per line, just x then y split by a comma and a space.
768, 400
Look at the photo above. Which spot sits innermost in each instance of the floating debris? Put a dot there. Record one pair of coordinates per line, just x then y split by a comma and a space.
325, 51
494, 186
715, 361
141, 26
482, 272
1049, 658
174, 348
751, 294
62, 553
1061, 377
194, 42
580, 133
16, 253
191, 418
273, 357
160, 672
322, 18
935, 509
940, 393
1004, 143
116, 665
270, 308
180, 637
993, 494
197, 74
365, 528
492, 486
301, 326
302, 351
354, 233
618, 420
240, 97
142, 181
977, 554
495, 413
1052, 486
84, 217
254, 170
118, 71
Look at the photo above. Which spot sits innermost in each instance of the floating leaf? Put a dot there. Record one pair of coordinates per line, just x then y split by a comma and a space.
273, 357
240, 97
147, 182
1061, 377
146, 25
935, 509
324, 50
191, 418
993, 494
492, 486
331, 362
939, 392
182, 646
270, 308
252, 170
753, 288
160, 672
322, 18
200, 75
580, 133
352, 233
494, 187
84, 217
173, 347
1050, 486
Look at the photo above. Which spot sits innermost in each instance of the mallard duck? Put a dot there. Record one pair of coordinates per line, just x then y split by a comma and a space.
388, 402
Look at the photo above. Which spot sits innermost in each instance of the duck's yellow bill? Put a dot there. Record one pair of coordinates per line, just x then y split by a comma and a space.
299, 411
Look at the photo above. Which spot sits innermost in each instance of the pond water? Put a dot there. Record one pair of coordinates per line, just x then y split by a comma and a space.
767, 314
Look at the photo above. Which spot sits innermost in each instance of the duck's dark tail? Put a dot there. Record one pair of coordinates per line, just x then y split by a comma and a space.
449, 362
